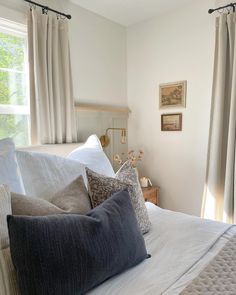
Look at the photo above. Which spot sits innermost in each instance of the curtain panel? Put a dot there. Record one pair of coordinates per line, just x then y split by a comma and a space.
51, 95
219, 202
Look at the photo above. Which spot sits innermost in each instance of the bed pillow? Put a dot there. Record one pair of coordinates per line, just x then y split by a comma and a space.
129, 175
72, 199
92, 155
9, 170
43, 174
70, 254
5, 209
8, 285
8, 279
101, 188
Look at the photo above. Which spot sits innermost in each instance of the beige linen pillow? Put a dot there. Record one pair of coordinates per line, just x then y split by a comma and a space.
8, 279
72, 199
8, 285
5, 209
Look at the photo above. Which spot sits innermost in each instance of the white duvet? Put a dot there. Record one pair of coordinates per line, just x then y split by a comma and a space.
180, 245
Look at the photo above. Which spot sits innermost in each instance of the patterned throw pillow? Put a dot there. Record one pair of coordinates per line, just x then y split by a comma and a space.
129, 175
101, 188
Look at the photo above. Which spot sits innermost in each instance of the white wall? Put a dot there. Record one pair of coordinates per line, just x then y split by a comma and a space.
168, 48
177, 46
98, 51
98, 57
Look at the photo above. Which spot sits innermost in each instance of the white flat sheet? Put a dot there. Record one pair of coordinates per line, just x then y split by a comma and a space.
177, 243
196, 269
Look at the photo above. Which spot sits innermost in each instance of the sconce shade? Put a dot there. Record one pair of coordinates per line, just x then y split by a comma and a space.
104, 139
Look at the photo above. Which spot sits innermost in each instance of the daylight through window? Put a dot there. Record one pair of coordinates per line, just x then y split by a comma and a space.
14, 98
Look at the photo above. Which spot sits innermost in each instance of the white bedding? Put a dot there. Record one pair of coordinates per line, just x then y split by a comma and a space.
180, 245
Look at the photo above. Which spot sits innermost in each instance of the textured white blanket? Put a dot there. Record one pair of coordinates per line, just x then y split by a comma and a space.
219, 277
176, 242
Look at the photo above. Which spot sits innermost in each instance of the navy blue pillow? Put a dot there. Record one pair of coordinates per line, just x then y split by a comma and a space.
70, 254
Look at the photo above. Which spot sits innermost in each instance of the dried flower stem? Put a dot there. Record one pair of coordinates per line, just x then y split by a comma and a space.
131, 156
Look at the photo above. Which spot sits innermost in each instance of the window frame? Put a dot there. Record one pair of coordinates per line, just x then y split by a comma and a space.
18, 30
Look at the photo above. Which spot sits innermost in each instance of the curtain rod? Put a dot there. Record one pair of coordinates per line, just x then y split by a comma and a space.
232, 5
46, 8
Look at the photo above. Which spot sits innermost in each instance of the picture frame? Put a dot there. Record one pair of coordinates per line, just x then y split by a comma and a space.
172, 94
171, 122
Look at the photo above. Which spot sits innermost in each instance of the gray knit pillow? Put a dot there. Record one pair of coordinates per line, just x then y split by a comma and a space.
101, 188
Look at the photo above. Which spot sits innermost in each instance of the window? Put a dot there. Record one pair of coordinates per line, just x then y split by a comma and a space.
14, 98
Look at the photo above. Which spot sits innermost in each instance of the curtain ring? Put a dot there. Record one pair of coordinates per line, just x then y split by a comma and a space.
45, 10
32, 6
233, 7
228, 9
62, 17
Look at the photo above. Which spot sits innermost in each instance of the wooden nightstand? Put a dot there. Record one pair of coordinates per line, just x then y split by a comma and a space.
151, 194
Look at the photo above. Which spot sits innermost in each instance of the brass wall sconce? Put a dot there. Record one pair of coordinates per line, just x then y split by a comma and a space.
104, 139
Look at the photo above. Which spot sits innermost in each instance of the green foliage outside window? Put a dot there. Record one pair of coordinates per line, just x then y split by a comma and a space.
16, 127
12, 52
12, 87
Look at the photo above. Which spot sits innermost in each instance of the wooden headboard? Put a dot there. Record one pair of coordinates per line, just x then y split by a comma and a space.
55, 149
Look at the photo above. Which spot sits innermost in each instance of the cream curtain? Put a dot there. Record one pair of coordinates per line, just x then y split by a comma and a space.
219, 201
51, 95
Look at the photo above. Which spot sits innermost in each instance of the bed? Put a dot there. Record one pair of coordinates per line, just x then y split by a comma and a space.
54, 149
181, 247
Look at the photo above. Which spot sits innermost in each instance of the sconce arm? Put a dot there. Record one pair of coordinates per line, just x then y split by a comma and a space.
121, 129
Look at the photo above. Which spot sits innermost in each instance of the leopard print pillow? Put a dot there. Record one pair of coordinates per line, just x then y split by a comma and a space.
101, 188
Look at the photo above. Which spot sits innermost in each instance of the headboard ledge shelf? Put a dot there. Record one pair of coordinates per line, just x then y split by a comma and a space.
101, 108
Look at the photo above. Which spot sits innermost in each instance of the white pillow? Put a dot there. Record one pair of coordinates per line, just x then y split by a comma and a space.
9, 170
92, 155
43, 174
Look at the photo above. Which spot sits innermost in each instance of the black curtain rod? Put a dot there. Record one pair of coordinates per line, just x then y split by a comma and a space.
232, 5
46, 8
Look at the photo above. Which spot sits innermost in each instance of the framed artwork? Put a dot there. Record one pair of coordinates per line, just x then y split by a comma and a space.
171, 122
172, 94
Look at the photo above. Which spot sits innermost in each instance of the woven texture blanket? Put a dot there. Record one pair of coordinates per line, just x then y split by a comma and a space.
219, 277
